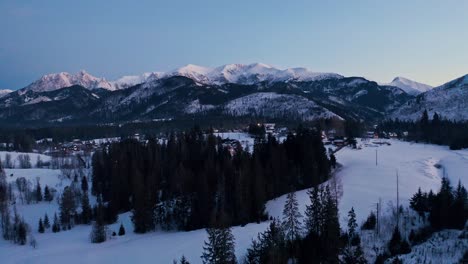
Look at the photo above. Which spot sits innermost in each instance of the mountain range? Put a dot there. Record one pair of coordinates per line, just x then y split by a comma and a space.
233, 90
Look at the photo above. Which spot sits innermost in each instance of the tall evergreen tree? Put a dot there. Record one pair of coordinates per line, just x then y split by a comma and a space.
56, 224
99, 230
314, 211
47, 195
86, 211
352, 227
291, 218
41, 226
219, 249
67, 207
46, 221
121, 230
38, 192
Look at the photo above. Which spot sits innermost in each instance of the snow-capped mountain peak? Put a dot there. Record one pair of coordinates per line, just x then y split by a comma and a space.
409, 86
50, 82
247, 74
230, 73
5, 92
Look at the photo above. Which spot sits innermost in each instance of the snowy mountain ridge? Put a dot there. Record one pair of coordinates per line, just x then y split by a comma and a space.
5, 92
410, 86
449, 100
230, 73
56, 81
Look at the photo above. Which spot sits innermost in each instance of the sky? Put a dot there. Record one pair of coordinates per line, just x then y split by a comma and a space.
424, 40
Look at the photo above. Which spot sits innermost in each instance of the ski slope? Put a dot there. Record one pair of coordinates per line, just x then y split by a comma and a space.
362, 184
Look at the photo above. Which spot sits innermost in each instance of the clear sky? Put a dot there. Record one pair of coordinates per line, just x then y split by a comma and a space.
424, 40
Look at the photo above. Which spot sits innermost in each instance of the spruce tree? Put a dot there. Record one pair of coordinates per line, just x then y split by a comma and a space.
291, 218
56, 224
47, 195
219, 249
332, 160
46, 221
86, 211
67, 207
183, 260
38, 192
314, 212
41, 226
121, 230
99, 230
352, 227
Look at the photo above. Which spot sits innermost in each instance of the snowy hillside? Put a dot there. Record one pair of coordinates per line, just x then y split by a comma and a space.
230, 73
360, 180
56, 81
248, 74
449, 100
409, 86
276, 106
5, 92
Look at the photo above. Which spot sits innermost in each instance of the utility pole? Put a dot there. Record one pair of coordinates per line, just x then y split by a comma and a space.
375, 157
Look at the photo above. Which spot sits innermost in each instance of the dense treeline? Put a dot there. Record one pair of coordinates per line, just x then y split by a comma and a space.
447, 209
436, 130
192, 180
68, 132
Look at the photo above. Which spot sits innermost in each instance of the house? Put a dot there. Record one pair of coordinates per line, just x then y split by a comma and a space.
270, 127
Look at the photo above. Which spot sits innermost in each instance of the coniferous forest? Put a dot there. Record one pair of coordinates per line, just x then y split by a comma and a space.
435, 130
193, 180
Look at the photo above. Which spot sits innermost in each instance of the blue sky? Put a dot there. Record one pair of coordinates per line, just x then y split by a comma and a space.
423, 40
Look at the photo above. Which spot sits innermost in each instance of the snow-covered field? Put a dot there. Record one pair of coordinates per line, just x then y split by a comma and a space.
363, 183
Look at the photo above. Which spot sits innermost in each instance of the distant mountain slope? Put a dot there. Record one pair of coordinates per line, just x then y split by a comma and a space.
409, 86
449, 100
232, 90
56, 81
5, 92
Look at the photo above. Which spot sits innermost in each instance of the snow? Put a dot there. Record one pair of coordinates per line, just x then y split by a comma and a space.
14, 157
448, 100
248, 74
362, 183
56, 81
409, 86
275, 105
229, 73
5, 92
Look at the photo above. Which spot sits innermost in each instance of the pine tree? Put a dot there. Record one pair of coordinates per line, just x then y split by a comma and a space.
353, 255
352, 226
99, 230
22, 232
86, 211
121, 230
46, 222
291, 218
397, 245
41, 226
183, 260
270, 246
38, 191
332, 160
56, 224
47, 195
314, 212
67, 207
331, 227
219, 249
